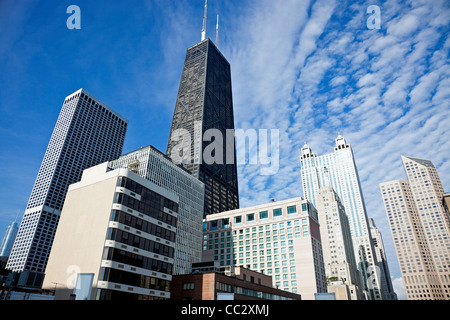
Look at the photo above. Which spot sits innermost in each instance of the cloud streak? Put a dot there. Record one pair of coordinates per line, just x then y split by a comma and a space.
313, 69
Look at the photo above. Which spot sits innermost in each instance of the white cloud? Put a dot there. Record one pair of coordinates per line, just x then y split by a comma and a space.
404, 25
399, 288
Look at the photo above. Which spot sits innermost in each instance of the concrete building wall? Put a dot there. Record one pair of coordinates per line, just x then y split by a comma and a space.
80, 237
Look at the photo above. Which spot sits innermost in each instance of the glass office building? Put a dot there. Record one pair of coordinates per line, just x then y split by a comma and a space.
8, 239
156, 167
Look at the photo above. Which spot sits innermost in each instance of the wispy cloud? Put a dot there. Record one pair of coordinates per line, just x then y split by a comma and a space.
313, 69
399, 288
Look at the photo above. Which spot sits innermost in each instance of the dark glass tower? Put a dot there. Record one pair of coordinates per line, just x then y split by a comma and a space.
205, 102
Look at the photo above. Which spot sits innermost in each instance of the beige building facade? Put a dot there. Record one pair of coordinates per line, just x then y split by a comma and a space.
343, 276
420, 230
120, 228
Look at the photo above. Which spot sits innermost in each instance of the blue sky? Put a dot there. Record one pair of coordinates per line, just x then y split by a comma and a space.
310, 69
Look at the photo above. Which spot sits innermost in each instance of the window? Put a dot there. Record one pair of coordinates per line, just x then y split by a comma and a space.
291, 209
263, 215
238, 219
225, 223
250, 217
277, 212
188, 286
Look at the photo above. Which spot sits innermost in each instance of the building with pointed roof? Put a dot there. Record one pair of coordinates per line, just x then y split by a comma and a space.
338, 170
420, 229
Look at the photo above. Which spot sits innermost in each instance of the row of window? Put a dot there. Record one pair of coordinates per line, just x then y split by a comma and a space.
106, 294
153, 209
147, 195
140, 224
136, 260
133, 279
139, 242
250, 217
224, 287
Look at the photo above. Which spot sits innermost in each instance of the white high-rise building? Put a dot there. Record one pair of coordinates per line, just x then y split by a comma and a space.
338, 170
280, 239
156, 167
420, 229
86, 133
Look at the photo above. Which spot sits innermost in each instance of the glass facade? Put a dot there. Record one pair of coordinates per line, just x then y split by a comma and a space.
8, 240
156, 167
205, 100
139, 252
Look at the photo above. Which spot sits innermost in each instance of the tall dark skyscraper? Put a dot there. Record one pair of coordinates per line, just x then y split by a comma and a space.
204, 105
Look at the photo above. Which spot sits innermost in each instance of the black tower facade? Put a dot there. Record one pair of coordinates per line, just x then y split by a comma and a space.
205, 102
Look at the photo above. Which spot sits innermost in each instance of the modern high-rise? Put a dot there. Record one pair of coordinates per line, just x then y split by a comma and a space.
446, 203
156, 167
386, 282
343, 276
86, 133
117, 231
8, 239
420, 229
338, 170
280, 239
202, 132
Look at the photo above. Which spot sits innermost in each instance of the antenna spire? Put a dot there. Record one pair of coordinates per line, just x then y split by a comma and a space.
217, 31
204, 21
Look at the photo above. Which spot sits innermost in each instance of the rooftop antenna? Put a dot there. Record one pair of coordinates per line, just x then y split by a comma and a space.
217, 31
204, 21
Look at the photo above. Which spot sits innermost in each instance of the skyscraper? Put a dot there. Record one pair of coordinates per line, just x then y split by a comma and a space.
86, 133
156, 167
338, 170
338, 254
8, 239
380, 252
202, 132
420, 229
